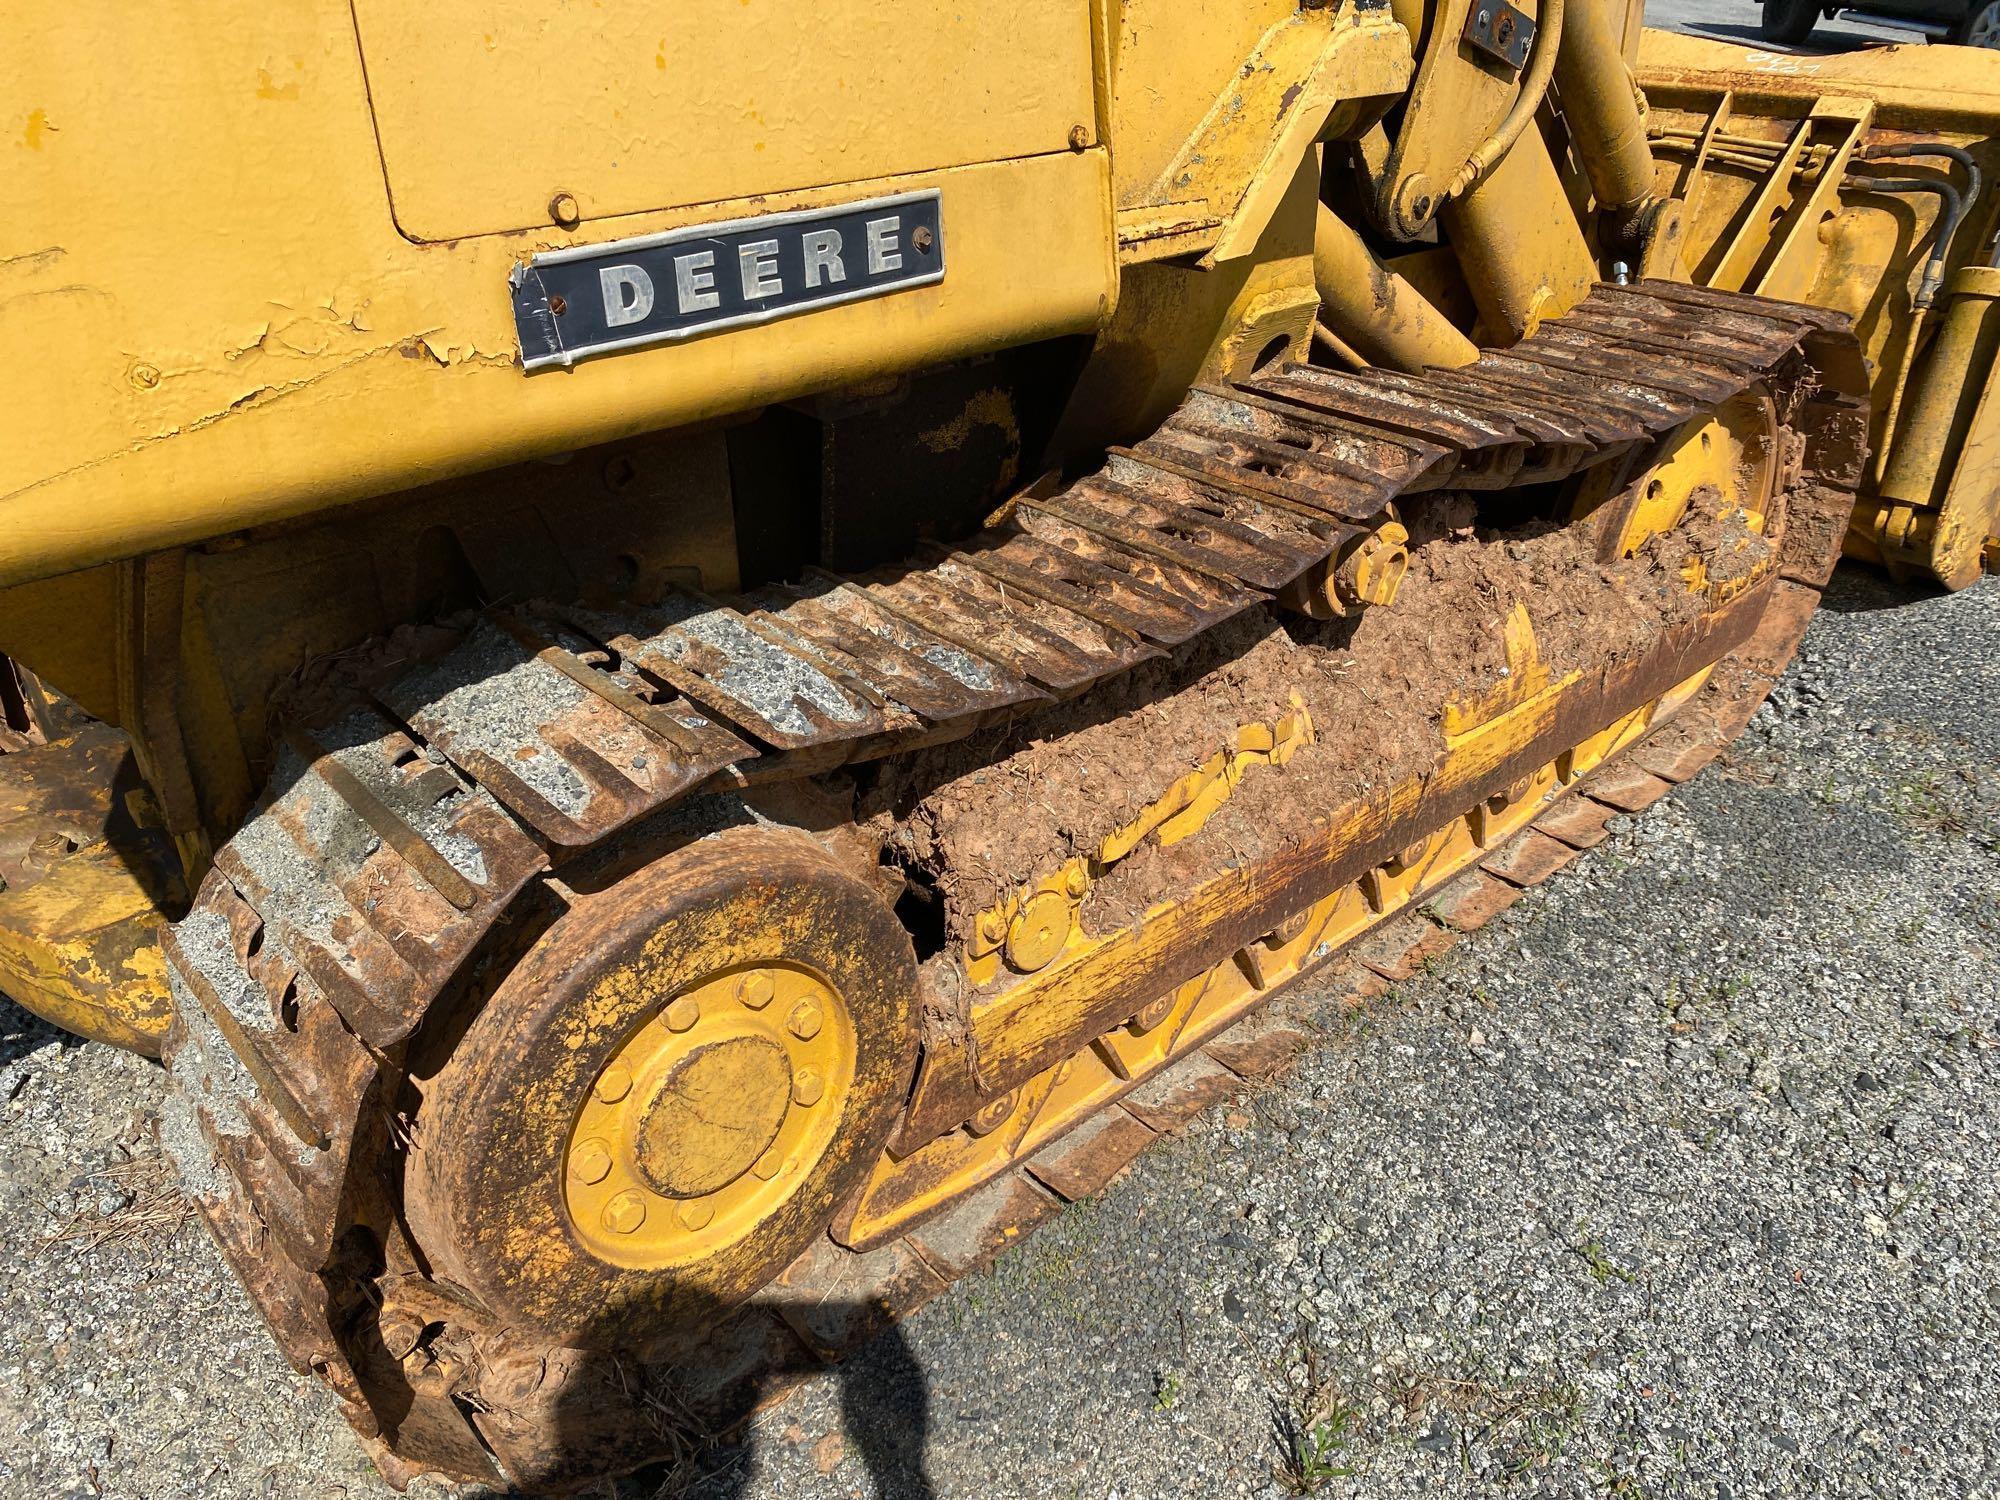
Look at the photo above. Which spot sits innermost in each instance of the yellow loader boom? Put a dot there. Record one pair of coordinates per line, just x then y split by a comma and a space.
686, 660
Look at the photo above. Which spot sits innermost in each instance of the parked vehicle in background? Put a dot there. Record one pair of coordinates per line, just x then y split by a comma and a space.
1969, 23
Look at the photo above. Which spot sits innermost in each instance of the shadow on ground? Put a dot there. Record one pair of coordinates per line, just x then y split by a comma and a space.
1823, 41
698, 1421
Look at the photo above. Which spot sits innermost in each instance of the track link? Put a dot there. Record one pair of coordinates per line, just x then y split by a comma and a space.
395, 834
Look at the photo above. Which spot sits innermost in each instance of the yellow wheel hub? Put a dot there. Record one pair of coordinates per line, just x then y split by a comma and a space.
1732, 454
708, 1116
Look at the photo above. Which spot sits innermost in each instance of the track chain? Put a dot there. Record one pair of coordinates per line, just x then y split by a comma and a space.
396, 833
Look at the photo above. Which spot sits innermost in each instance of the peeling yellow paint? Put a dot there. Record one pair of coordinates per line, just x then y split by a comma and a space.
241, 238
269, 88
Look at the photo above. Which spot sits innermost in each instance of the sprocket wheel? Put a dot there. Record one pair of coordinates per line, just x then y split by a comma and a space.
669, 1096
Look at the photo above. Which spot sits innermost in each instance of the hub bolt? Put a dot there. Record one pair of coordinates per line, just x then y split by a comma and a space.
591, 1161
683, 1013
696, 1214
625, 1213
807, 1087
804, 1020
614, 1083
769, 1164
755, 990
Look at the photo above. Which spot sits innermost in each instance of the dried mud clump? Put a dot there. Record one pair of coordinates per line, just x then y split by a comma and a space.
981, 817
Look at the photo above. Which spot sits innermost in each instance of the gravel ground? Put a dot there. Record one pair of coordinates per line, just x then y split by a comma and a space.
1683, 1178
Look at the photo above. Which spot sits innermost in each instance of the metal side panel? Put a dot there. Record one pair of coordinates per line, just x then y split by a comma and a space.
487, 109
228, 329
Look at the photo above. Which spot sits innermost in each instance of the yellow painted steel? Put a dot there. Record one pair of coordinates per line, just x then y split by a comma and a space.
702, 102
1018, 1121
212, 320
1940, 493
1600, 96
80, 949
1373, 310
1039, 923
256, 269
707, 1117
1211, 109
1524, 254
1771, 155
90, 874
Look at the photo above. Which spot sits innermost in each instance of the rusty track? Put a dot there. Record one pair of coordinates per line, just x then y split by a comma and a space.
398, 831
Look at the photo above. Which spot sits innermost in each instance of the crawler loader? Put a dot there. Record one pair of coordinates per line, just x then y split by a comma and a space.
687, 661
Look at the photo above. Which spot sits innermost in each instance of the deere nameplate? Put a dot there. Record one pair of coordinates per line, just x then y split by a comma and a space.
602, 299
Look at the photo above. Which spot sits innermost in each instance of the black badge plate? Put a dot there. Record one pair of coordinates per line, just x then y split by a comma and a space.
604, 299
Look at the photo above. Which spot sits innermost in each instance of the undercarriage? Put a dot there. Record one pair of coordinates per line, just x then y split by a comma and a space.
592, 992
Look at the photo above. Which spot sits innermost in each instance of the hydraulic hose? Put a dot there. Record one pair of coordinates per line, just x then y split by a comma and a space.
1952, 206
1951, 209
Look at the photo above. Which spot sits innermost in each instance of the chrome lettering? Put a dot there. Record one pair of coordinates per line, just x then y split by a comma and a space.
882, 252
822, 247
758, 263
628, 294
694, 281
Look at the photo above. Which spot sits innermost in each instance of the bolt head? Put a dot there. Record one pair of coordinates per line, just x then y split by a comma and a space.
564, 211
756, 990
1079, 137
696, 1213
807, 1087
625, 1213
1076, 880
145, 377
614, 1083
683, 1013
591, 1161
769, 1164
805, 1020
994, 1112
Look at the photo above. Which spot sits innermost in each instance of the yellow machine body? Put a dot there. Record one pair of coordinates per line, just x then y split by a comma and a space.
406, 710
1772, 156
256, 283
